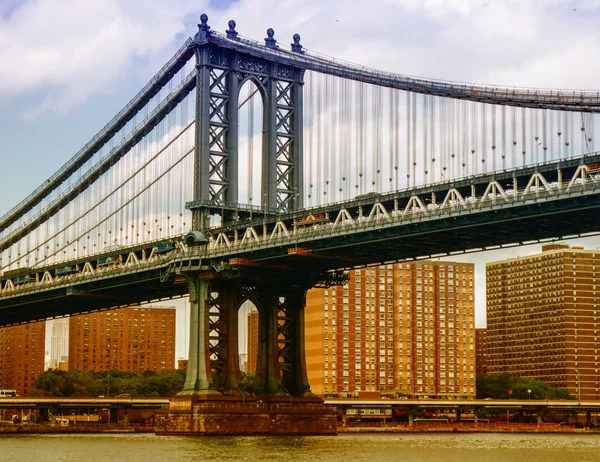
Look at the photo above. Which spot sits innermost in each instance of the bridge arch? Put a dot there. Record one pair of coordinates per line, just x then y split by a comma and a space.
251, 141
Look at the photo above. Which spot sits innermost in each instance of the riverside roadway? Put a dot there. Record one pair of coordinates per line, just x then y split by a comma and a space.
157, 403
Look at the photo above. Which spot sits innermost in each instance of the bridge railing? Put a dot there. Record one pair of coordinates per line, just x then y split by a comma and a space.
395, 214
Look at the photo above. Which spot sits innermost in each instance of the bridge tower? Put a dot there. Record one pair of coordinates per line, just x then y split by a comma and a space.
218, 288
221, 72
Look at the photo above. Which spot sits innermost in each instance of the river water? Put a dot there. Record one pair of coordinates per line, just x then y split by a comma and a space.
347, 448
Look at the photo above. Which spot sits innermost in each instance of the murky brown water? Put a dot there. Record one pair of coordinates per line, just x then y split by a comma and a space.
347, 448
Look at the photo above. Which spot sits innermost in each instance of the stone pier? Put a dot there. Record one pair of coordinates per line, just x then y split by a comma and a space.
234, 416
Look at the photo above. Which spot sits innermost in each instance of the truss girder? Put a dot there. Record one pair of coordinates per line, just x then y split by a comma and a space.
411, 208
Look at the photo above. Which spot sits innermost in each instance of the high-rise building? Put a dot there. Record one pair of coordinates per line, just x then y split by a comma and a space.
59, 342
542, 318
252, 357
407, 328
481, 351
22, 351
243, 362
131, 339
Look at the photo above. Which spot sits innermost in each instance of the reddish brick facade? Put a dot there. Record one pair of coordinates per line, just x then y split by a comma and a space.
543, 319
398, 327
22, 351
482, 352
128, 339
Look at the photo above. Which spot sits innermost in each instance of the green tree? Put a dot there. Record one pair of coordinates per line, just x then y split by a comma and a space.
55, 383
498, 386
87, 383
248, 380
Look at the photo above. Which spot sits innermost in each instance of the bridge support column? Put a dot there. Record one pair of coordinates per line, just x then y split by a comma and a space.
268, 375
223, 335
291, 326
198, 375
281, 358
213, 362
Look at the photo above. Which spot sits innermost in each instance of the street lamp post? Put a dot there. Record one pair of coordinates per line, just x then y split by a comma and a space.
529, 393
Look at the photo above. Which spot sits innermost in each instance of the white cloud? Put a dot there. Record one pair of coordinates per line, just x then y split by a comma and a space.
64, 51
67, 50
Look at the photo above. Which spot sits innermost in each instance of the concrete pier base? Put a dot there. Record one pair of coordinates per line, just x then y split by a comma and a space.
237, 415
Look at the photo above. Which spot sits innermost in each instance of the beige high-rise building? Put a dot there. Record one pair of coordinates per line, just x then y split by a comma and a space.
131, 339
59, 342
542, 318
22, 351
397, 327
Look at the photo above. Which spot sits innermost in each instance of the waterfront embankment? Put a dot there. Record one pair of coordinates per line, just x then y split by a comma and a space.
354, 428
467, 427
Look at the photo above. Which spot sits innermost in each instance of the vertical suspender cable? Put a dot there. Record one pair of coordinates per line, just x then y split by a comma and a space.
523, 137
504, 150
392, 138
408, 139
319, 141
425, 139
545, 132
334, 145
309, 127
514, 136
342, 137
551, 130
453, 133
493, 137
327, 130
414, 138
484, 139
465, 136
396, 138
442, 122
432, 146
536, 134
376, 135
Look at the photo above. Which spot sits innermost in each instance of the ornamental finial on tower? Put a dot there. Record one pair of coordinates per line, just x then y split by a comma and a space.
203, 29
231, 32
296, 45
270, 41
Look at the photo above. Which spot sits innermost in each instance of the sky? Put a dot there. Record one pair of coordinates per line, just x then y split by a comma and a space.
66, 68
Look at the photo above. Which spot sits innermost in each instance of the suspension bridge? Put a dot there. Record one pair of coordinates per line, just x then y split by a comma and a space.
255, 171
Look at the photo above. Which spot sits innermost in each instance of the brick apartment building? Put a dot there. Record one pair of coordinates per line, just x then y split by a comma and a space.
542, 318
131, 339
481, 358
22, 355
404, 327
